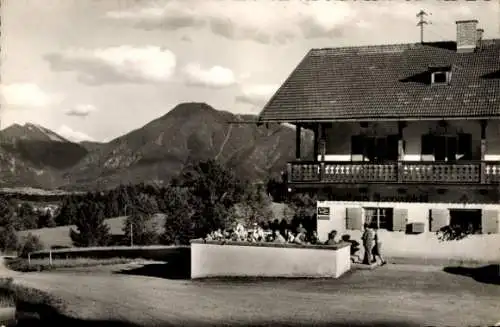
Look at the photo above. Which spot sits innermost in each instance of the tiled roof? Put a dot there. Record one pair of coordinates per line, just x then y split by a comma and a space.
389, 82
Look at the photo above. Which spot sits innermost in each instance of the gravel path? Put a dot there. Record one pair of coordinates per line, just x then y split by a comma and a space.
403, 295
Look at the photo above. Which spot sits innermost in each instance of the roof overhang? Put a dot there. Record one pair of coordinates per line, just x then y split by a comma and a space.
371, 119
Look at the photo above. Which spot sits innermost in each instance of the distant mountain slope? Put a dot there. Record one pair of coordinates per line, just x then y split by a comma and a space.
40, 147
158, 150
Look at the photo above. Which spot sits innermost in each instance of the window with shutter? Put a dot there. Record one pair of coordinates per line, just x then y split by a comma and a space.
399, 220
490, 222
354, 218
439, 218
379, 218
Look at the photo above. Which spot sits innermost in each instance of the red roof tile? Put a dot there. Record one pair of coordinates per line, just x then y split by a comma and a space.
389, 82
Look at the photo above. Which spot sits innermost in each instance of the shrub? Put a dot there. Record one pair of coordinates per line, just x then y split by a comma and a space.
29, 243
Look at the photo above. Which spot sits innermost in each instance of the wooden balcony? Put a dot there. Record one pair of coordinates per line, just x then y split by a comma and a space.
404, 172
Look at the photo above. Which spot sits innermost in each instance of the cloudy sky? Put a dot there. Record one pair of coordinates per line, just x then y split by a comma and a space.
95, 69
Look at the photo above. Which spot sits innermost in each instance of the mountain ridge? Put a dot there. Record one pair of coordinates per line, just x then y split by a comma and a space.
154, 152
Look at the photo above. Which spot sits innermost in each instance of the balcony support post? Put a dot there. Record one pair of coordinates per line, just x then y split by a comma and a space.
322, 150
298, 138
399, 171
482, 171
316, 141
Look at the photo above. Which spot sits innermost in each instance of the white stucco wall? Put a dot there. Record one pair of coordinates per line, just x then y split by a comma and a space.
425, 245
215, 260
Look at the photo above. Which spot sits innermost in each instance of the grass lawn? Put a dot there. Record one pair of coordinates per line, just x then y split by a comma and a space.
23, 265
59, 236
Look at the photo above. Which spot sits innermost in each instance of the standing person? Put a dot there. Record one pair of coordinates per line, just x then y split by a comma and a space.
368, 243
377, 250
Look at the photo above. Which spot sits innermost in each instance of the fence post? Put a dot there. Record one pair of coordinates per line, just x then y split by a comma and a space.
50, 257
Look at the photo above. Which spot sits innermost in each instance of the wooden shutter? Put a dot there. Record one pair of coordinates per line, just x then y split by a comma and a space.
399, 220
354, 218
489, 222
465, 145
427, 145
439, 218
356, 144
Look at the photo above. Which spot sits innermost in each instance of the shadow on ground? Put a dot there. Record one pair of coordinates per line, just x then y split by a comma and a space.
487, 274
45, 315
168, 270
31, 315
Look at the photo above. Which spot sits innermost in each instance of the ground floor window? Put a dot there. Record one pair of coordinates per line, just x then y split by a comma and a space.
379, 218
466, 219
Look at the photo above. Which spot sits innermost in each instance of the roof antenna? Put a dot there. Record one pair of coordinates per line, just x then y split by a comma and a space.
421, 23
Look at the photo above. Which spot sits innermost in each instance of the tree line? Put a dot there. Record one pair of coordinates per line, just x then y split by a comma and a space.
204, 197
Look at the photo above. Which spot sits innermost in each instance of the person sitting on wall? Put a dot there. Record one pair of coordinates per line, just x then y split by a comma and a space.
301, 229
289, 236
217, 235
332, 238
278, 237
377, 249
314, 238
354, 247
300, 238
368, 243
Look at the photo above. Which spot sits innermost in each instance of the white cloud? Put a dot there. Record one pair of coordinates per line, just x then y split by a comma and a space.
283, 21
232, 19
81, 110
27, 95
214, 77
123, 64
72, 135
257, 94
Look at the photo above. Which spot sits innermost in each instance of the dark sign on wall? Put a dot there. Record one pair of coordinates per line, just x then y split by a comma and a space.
323, 213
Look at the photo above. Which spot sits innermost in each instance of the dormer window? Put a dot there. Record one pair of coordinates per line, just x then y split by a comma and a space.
440, 75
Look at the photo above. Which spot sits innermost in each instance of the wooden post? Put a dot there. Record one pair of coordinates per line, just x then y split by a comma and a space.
484, 125
321, 135
289, 172
50, 257
322, 150
298, 137
401, 151
131, 233
316, 141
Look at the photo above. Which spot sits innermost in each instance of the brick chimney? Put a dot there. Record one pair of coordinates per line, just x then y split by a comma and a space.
479, 37
466, 35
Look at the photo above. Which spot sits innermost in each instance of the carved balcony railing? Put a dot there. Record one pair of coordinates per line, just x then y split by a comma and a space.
460, 172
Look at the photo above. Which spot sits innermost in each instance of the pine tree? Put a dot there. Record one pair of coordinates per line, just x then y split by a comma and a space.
91, 228
140, 228
8, 237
